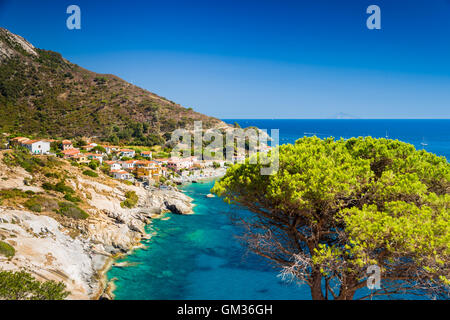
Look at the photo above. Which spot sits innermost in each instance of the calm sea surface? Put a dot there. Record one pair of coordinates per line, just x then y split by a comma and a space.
198, 257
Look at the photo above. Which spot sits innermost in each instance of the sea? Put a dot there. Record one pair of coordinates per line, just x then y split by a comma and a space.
200, 256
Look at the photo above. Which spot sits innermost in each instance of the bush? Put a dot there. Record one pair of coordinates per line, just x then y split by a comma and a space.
94, 164
39, 204
22, 286
7, 250
131, 200
12, 193
70, 210
90, 173
61, 187
33, 205
71, 198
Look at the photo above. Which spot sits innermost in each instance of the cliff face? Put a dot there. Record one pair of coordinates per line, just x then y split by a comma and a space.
51, 246
41, 93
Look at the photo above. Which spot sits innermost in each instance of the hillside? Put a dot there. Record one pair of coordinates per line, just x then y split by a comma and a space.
43, 94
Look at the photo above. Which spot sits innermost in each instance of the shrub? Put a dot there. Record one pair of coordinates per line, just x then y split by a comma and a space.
71, 198
7, 250
33, 205
12, 193
90, 173
39, 204
61, 187
130, 201
22, 286
93, 164
48, 186
70, 210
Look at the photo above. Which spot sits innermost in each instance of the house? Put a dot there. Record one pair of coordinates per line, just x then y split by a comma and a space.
37, 146
17, 141
181, 163
67, 145
128, 165
127, 153
122, 175
110, 149
148, 170
162, 161
71, 153
89, 147
95, 156
114, 165
146, 154
80, 158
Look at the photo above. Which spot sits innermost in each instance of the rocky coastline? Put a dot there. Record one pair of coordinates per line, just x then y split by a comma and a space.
79, 252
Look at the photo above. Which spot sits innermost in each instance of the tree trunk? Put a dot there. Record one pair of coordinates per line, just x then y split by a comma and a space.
347, 289
316, 287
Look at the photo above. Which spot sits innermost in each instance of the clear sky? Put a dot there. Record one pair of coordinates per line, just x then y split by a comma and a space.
259, 59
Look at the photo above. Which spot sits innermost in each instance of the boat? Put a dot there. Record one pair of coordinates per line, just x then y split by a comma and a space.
423, 142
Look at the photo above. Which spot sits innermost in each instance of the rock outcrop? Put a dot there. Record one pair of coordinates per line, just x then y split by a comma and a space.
77, 252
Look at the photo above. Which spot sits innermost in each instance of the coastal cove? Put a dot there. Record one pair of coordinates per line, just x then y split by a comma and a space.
198, 256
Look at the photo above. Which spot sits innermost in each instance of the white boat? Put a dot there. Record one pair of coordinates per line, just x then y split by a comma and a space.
423, 142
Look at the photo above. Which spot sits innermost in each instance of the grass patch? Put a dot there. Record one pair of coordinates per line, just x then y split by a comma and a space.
7, 250
71, 198
60, 187
70, 210
39, 204
130, 201
12, 193
33, 205
90, 173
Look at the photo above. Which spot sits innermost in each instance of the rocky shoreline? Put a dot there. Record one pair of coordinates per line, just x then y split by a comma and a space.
79, 252
177, 207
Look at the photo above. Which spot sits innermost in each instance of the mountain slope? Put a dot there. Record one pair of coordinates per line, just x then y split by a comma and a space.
41, 93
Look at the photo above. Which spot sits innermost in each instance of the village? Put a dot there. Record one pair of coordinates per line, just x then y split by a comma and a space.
126, 164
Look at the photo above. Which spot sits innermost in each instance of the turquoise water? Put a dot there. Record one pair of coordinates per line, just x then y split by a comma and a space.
197, 256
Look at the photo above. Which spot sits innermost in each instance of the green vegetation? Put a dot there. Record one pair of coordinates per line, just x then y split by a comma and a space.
334, 208
22, 286
131, 200
60, 187
23, 158
12, 193
70, 210
7, 250
90, 173
94, 164
72, 198
39, 204
33, 205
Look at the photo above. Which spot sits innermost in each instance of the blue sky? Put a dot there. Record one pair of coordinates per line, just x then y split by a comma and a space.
259, 59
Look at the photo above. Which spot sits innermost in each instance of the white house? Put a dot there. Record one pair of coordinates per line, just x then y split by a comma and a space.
127, 153
128, 165
95, 156
114, 165
37, 146
122, 175
183, 163
110, 149
146, 154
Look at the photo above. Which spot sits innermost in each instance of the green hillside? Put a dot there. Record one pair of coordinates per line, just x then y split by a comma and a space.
43, 94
